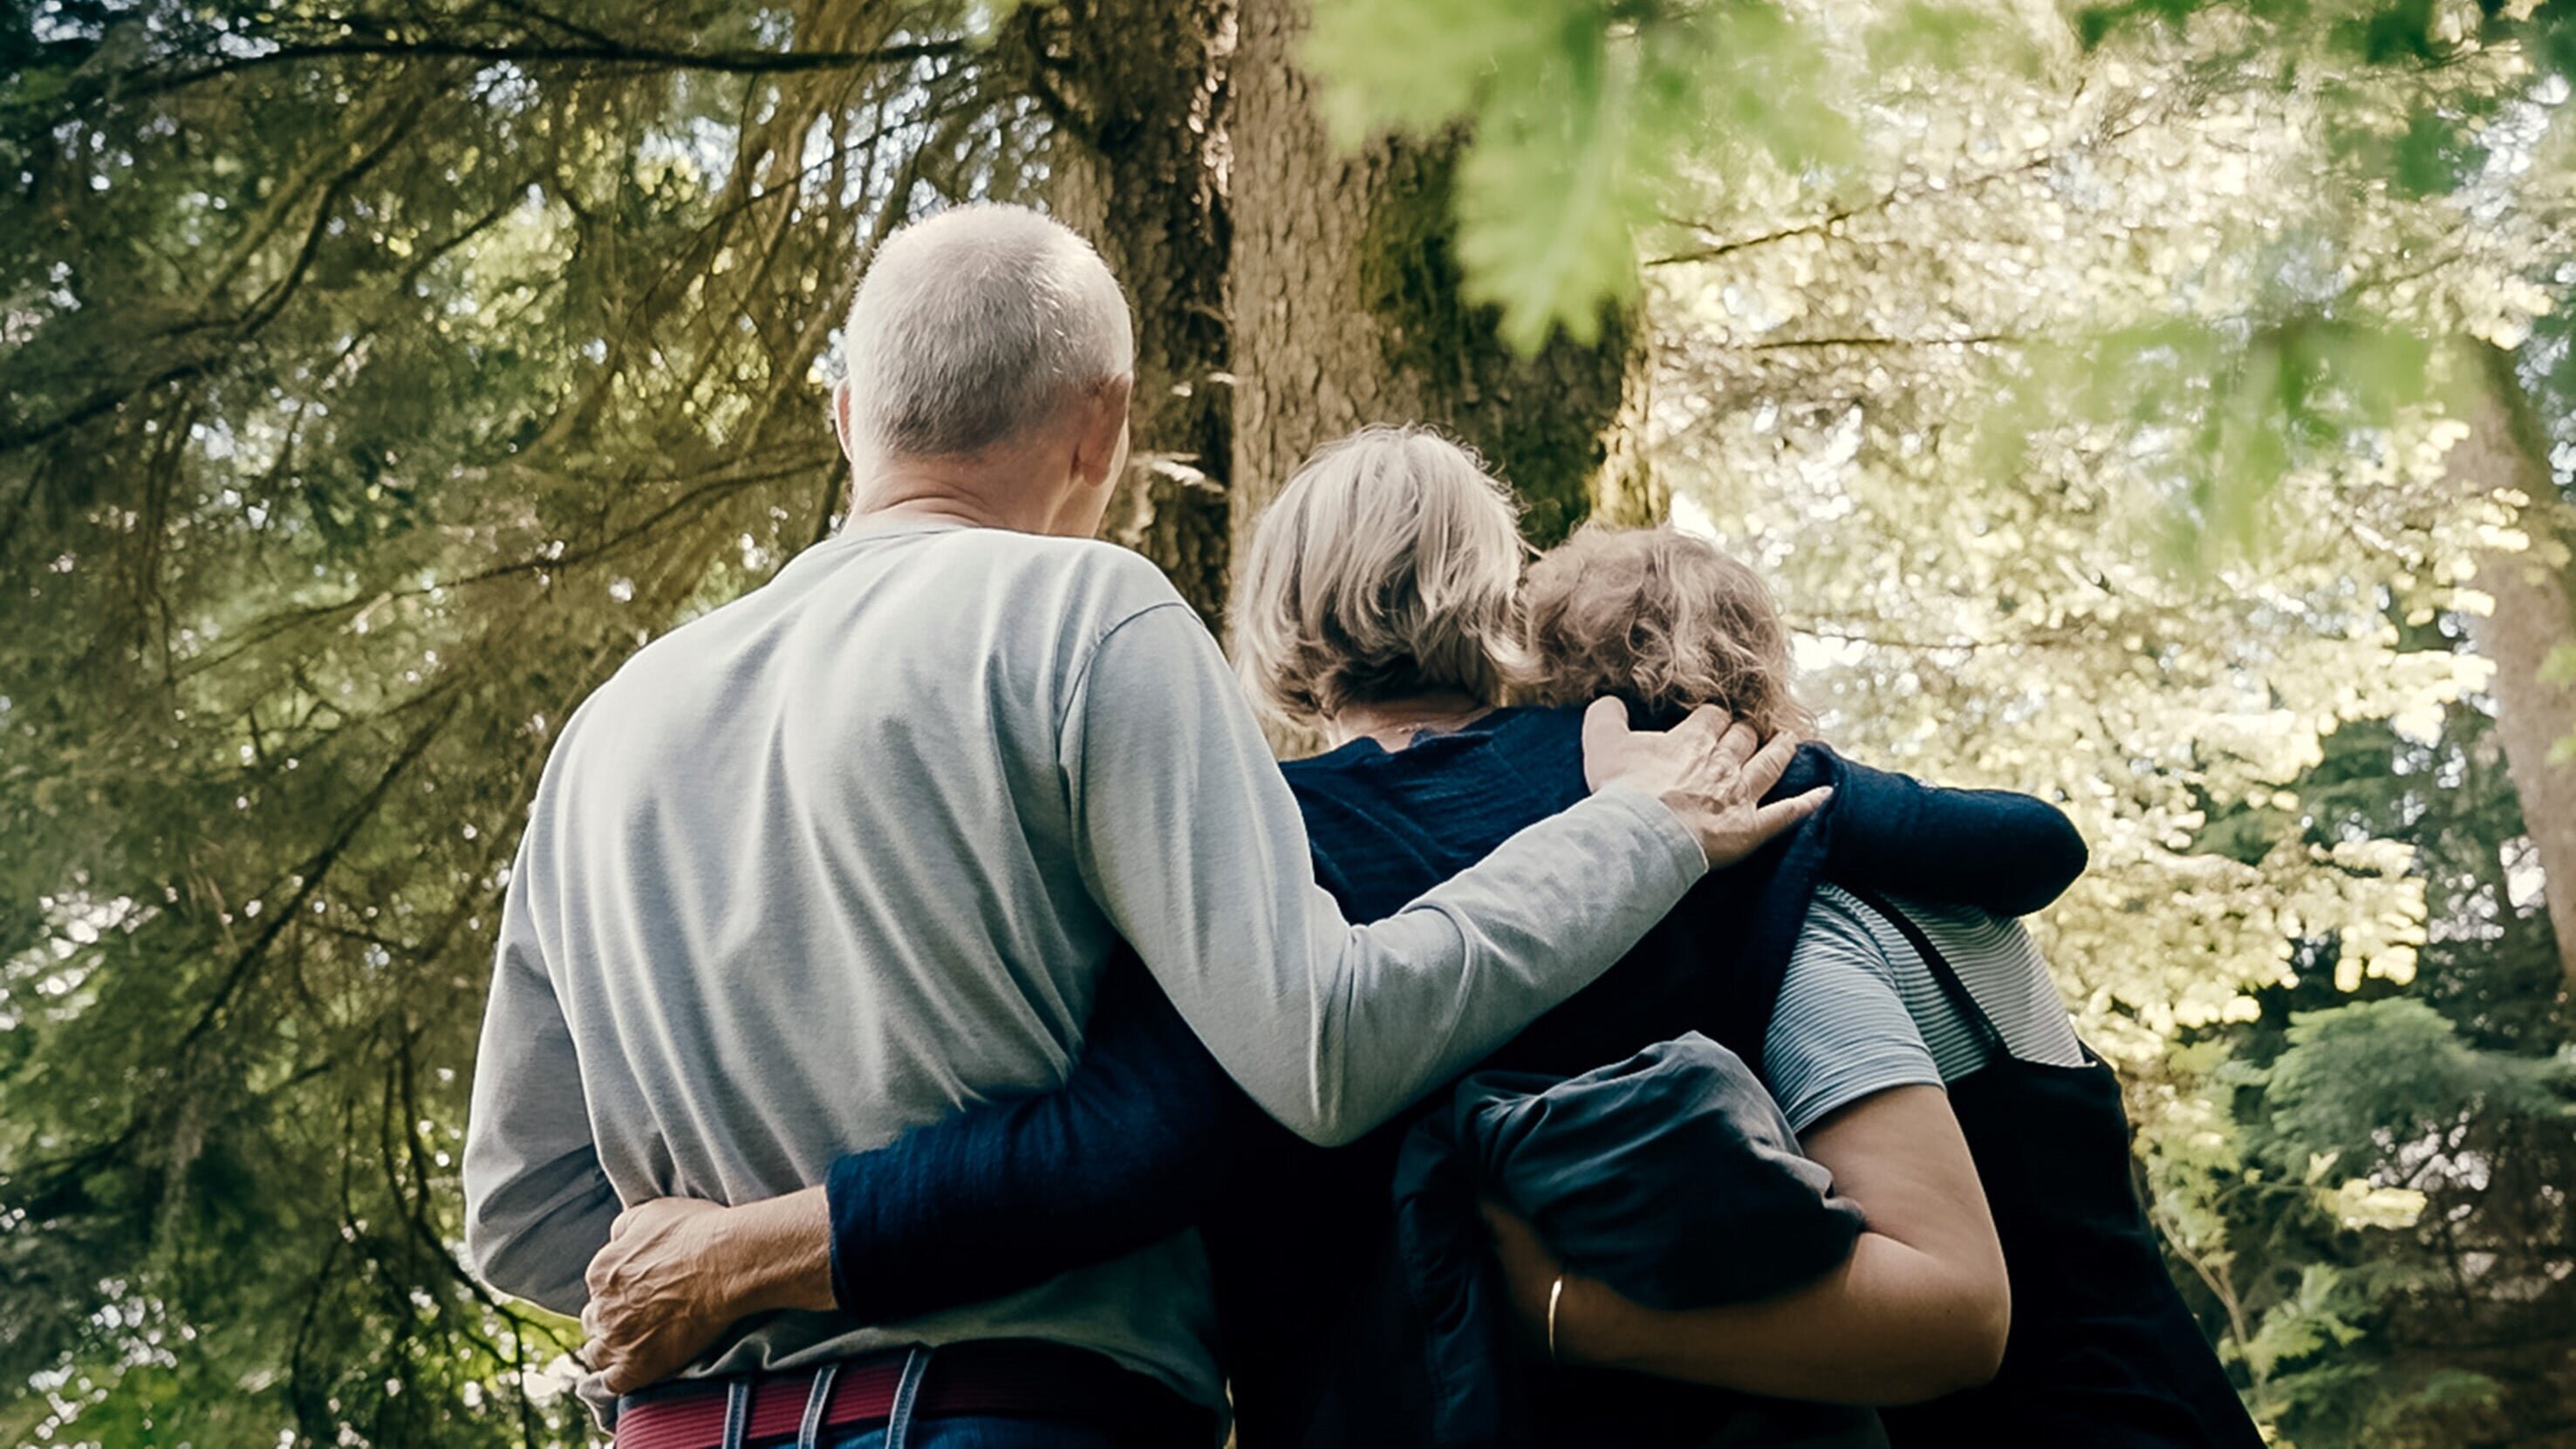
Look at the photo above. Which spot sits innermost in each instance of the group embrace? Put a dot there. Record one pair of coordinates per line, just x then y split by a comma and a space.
928, 1017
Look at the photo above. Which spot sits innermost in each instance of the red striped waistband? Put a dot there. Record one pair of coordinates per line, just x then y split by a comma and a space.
1013, 1379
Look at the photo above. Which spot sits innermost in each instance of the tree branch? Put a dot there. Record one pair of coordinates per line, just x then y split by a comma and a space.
582, 55
1982, 339
2101, 135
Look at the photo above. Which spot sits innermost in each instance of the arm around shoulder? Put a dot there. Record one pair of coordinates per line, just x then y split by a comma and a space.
1194, 847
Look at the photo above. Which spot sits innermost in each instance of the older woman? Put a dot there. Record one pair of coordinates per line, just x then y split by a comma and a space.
1377, 601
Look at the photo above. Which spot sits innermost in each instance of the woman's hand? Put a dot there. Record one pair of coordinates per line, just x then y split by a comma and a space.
678, 1272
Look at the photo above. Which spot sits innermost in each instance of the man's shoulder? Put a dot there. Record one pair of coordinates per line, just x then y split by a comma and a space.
1099, 578
1123, 578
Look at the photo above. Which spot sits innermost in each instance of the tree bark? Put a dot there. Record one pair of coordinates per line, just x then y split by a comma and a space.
2535, 615
1347, 311
1137, 90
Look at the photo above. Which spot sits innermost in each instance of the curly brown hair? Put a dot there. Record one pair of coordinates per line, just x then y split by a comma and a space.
1662, 620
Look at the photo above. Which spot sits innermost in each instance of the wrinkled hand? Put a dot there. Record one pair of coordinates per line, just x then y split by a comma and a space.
658, 1294
677, 1273
1711, 770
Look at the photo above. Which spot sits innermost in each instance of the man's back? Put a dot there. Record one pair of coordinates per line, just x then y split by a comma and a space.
803, 874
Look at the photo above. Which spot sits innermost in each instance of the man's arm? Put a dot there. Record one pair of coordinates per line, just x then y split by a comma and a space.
537, 1205
1189, 839
2001, 852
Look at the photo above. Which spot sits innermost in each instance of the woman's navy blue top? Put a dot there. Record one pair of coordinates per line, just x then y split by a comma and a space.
1148, 1136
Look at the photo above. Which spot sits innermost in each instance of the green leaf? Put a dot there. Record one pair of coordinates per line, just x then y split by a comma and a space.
1417, 66
1546, 194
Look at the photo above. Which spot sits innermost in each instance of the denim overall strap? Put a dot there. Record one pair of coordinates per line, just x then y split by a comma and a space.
906, 1390
737, 1421
818, 1402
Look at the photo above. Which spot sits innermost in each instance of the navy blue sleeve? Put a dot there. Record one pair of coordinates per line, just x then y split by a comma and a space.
1006, 1195
2003, 853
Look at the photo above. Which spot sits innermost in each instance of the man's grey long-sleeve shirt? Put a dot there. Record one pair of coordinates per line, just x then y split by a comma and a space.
848, 854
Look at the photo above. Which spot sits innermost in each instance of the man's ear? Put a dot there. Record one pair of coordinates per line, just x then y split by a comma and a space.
841, 424
1101, 449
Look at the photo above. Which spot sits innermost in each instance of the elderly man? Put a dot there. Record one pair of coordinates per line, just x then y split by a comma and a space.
851, 852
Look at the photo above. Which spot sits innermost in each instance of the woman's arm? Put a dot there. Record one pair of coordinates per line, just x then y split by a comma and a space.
984, 1202
1922, 1305
2001, 852
1920, 1309
1002, 1197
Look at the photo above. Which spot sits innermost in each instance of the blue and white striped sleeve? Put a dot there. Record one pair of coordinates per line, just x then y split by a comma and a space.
1840, 1031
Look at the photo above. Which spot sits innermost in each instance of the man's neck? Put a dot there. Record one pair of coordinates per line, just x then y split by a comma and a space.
936, 510
980, 494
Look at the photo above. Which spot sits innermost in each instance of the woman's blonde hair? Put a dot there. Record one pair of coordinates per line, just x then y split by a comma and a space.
1389, 566
1662, 620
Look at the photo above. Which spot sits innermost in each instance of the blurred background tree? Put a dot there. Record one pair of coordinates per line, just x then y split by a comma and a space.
2162, 407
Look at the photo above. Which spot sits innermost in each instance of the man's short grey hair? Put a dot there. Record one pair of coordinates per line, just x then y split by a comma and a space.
1389, 566
978, 324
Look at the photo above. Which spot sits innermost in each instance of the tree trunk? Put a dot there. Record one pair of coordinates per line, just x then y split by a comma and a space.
1347, 312
2507, 449
1137, 92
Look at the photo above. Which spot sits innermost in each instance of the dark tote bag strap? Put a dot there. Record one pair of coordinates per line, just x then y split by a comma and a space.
1962, 1000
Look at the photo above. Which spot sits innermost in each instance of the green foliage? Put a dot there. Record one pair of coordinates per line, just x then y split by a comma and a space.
1587, 124
2222, 410
2387, 1204
1409, 280
2434, 156
1580, 113
1921, 36
2359, 1077
375, 379
2097, 438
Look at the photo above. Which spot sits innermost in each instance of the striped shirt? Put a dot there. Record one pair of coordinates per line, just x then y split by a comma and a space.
1859, 1013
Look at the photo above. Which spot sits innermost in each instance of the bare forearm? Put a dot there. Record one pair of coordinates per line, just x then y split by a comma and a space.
1890, 1326
777, 1253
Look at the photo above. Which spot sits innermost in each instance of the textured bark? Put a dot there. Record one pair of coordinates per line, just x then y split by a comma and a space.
2535, 614
1137, 91
1346, 312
